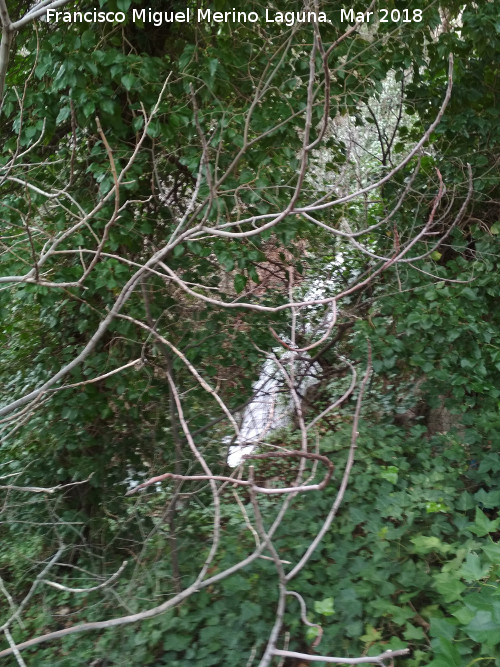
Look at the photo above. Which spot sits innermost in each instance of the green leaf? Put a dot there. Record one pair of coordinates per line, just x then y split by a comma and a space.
311, 634
449, 586
464, 615
472, 570
213, 64
107, 106
413, 632
389, 473
153, 129
240, 282
138, 123
424, 545
482, 525
63, 114
439, 662
492, 552
178, 250
226, 259
371, 635
324, 607
128, 80
89, 108
176, 641
447, 654
432, 507
485, 626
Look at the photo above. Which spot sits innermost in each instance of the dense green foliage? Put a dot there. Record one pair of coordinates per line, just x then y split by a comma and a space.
412, 558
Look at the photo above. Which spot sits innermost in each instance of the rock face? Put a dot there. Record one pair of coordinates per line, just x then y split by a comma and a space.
441, 420
437, 420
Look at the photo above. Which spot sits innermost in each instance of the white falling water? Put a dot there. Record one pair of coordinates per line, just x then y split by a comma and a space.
265, 413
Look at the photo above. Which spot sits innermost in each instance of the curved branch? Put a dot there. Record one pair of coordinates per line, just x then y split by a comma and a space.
374, 660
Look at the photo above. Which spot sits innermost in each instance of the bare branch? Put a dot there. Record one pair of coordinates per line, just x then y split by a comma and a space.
249, 483
375, 660
68, 589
